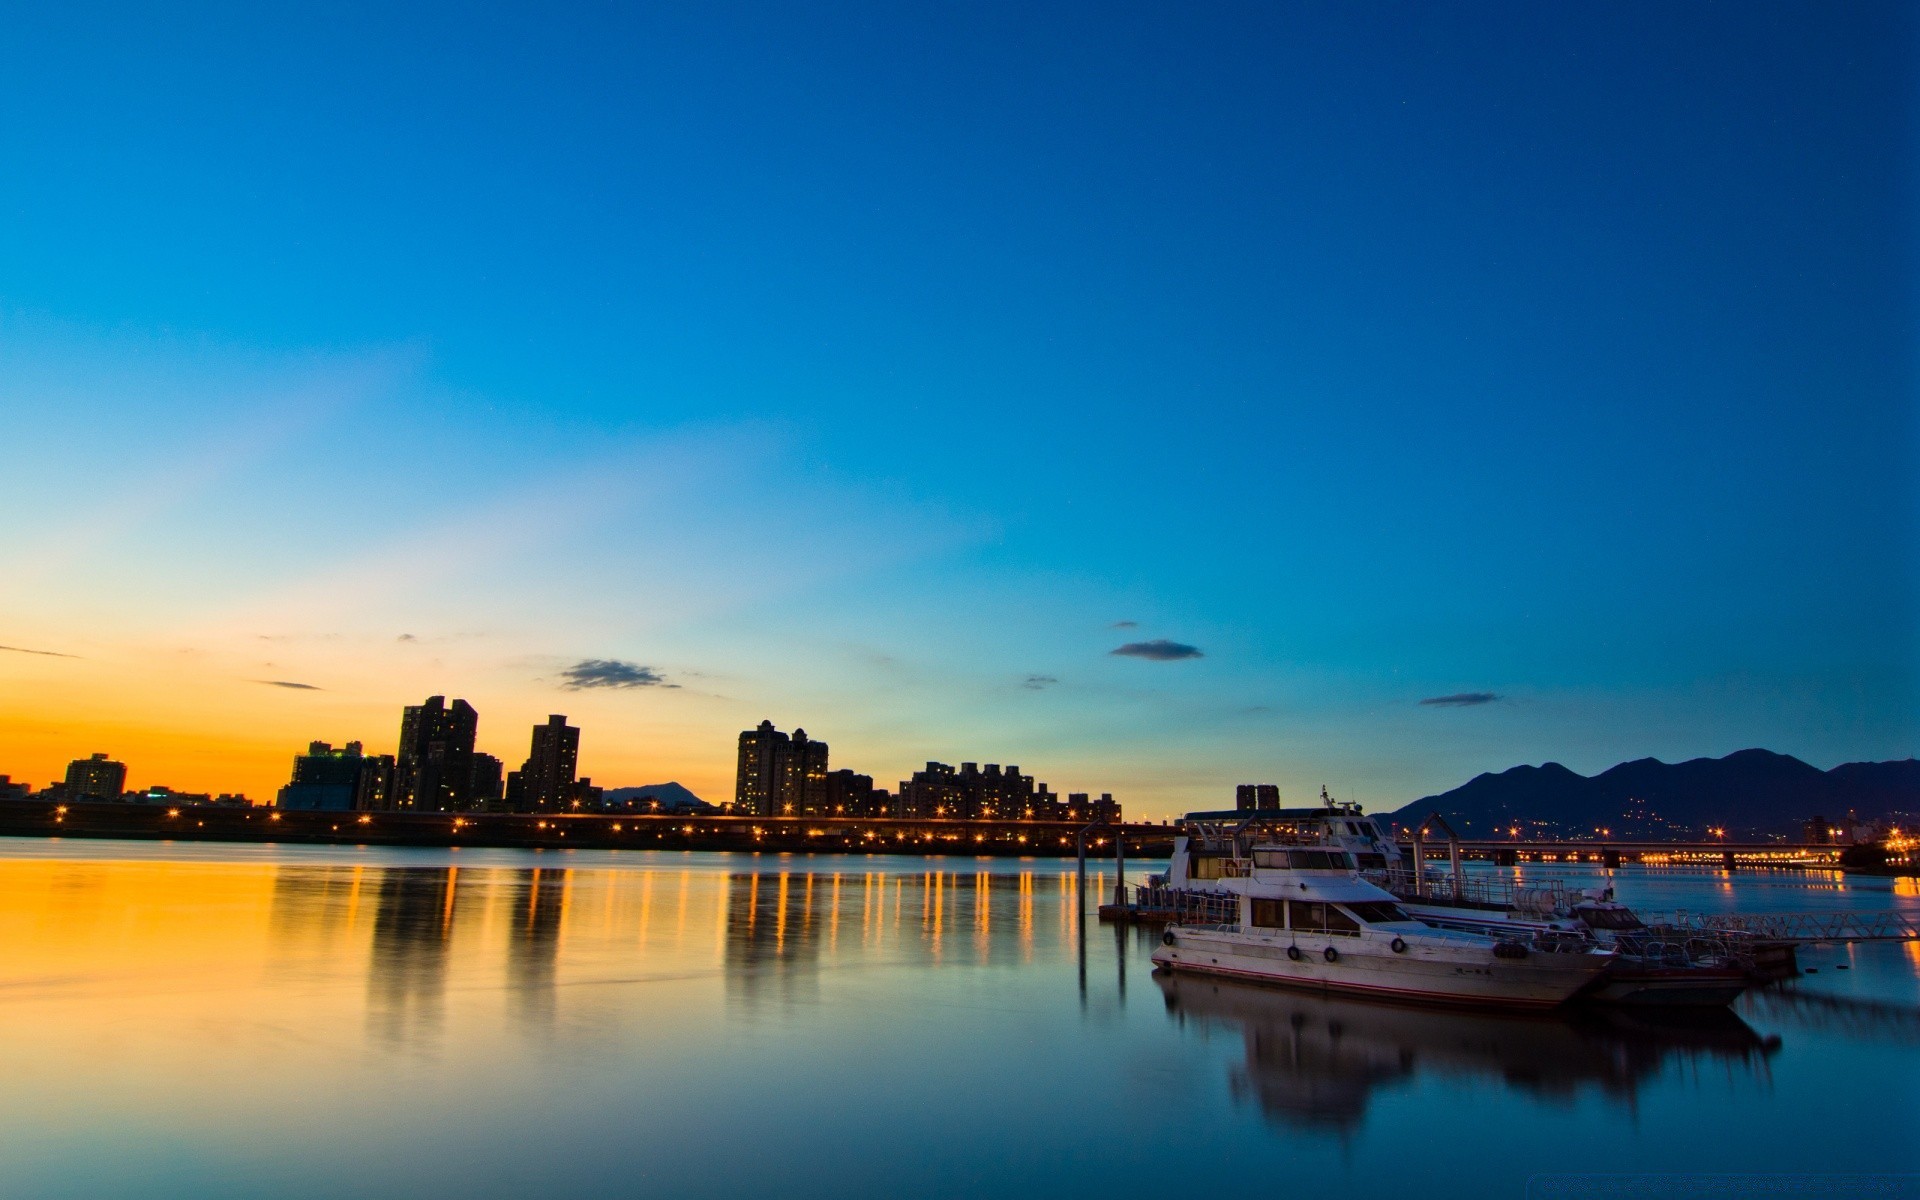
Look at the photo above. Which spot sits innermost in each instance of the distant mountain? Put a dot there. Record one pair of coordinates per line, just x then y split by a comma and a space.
672, 798
1746, 793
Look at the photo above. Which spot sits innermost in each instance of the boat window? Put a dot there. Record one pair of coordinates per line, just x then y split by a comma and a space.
1340, 922
1203, 866
1269, 858
1372, 862
1375, 911
1307, 914
1367, 830
1318, 860
1268, 914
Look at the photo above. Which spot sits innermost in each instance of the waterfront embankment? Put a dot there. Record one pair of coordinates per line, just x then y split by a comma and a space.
840, 835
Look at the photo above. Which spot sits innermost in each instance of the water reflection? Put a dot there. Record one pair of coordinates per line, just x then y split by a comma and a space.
774, 926
412, 937
538, 904
782, 924
1315, 1063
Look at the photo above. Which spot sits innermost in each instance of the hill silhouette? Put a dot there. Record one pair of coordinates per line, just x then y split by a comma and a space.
1750, 792
672, 797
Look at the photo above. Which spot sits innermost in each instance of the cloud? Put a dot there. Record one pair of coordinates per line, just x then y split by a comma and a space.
45, 653
1461, 700
1159, 650
1124, 625
611, 673
1039, 683
288, 683
406, 637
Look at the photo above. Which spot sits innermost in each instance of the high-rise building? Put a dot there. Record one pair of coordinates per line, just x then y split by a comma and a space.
434, 769
1250, 796
850, 794
780, 776
338, 780
803, 785
547, 777
95, 778
486, 786
762, 767
974, 793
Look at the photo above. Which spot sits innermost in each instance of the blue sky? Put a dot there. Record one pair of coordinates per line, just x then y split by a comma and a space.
862, 366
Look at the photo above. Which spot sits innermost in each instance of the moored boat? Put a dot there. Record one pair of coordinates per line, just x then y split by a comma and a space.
1306, 919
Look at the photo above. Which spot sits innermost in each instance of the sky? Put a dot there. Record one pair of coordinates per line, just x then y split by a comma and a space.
1418, 390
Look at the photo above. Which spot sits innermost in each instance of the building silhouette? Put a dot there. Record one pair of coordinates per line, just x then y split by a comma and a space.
803, 788
546, 781
781, 776
95, 778
433, 770
1250, 796
760, 771
971, 793
340, 780
850, 794
487, 786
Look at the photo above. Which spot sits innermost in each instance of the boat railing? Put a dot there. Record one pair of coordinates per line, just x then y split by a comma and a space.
1678, 946
1187, 907
1544, 896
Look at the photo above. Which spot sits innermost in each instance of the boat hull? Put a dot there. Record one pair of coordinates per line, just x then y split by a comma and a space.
1669, 987
1364, 967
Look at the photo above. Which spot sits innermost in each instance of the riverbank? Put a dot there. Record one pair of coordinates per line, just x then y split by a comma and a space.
216, 823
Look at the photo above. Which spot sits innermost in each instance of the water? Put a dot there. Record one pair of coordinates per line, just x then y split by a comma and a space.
201, 1020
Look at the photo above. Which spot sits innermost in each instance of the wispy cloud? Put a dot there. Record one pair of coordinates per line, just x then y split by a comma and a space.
1039, 683
1124, 625
611, 673
1461, 699
288, 683
43, 653
1158, 650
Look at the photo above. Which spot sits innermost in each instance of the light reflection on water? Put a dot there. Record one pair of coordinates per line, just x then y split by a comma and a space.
376, 1023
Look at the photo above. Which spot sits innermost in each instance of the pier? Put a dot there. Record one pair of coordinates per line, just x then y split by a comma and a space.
1892, 925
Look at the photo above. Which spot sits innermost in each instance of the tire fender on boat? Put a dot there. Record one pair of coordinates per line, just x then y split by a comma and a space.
1293, 952
1167, 938
1399, 945
1330, 954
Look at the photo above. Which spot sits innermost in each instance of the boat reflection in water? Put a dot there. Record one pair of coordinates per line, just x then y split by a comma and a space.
1315, 1062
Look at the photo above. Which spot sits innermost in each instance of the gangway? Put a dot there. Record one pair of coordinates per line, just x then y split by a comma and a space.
1893, 925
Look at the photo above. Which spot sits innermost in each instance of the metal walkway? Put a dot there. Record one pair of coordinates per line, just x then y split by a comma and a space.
1896, 925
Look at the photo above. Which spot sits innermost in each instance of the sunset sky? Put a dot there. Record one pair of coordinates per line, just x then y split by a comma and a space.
885, 369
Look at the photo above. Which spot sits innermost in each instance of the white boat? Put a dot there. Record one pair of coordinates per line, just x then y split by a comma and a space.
1299, 914
1651, 966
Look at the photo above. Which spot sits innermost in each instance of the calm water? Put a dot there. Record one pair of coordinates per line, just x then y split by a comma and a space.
180, 1020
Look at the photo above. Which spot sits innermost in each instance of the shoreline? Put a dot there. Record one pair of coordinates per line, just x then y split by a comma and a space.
592, 831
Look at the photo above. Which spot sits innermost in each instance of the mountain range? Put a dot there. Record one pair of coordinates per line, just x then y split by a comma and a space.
1748, 793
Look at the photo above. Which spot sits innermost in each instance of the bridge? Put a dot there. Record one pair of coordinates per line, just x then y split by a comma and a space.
1508, 852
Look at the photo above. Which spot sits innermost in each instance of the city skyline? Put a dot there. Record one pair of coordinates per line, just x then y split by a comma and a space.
1172, 399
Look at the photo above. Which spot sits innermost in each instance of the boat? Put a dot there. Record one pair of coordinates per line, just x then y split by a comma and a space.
1651, 966
1293, 911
